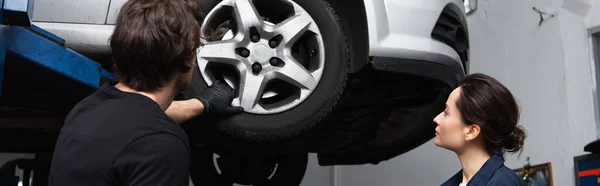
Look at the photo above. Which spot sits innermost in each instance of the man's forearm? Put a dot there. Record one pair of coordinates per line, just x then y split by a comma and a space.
182, 111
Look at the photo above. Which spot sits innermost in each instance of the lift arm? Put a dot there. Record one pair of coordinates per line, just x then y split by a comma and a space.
40, 80
19, 37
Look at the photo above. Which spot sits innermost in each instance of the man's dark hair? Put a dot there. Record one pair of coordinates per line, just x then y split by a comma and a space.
153, 40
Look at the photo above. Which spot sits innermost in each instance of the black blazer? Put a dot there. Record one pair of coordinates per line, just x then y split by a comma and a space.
492, 173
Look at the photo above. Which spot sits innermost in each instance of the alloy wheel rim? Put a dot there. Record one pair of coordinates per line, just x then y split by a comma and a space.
264, 53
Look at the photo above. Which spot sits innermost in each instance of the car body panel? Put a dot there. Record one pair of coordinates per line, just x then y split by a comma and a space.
399, 41
113, 11
87, 39
391, 28
70, 11
393, 32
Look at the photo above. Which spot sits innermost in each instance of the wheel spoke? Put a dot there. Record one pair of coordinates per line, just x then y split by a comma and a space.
240, 49
220, 51
296, 74
292, 28
246, 15
251, 90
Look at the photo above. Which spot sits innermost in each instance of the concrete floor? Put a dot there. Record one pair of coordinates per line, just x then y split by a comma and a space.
315, 174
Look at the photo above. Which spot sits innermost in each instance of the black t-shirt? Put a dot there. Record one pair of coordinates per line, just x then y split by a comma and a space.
119, 138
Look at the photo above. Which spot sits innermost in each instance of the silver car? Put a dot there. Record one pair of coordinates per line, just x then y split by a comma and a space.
356, 81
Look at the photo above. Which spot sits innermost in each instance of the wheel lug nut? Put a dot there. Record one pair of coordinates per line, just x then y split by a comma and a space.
272, 44
243, 52
255, 38
254, 34
275, 41
274, 62
256, 68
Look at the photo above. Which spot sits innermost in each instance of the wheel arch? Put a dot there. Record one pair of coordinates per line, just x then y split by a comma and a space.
352, 14
456, 12
354, 20
206, 5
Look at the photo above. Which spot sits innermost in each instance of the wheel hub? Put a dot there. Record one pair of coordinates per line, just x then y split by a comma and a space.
273, 75
262, 53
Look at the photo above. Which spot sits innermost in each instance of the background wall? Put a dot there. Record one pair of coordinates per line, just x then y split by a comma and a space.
593, 17
547, 67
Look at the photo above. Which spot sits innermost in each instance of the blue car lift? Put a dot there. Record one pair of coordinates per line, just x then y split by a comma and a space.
40, 79
18, 36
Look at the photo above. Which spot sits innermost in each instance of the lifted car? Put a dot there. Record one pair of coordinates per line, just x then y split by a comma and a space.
355, 81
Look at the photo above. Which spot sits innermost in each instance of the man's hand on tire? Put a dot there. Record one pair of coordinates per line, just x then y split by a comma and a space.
217, 99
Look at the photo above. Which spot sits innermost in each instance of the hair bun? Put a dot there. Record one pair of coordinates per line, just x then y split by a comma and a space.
514, 142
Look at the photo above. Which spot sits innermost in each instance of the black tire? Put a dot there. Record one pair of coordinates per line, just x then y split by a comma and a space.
298, 120
290, 170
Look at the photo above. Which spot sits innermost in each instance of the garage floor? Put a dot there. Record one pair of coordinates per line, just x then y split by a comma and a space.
316, 175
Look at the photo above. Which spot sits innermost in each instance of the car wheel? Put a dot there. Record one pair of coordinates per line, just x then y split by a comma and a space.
228, 169
288, 61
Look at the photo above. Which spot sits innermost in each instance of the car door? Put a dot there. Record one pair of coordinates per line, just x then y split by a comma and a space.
113, 12
70, 11
115, 7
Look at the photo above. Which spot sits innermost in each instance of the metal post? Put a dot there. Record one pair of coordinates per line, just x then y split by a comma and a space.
3, 48
12, 12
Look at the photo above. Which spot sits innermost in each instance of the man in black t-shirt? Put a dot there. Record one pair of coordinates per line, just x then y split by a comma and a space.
127, 133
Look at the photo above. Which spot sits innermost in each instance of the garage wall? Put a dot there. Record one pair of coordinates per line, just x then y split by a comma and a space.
548, 69
593, 17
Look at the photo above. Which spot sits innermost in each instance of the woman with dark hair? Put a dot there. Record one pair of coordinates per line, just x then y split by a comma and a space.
480, 124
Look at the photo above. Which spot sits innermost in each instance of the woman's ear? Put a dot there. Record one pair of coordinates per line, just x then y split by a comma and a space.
472, 131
